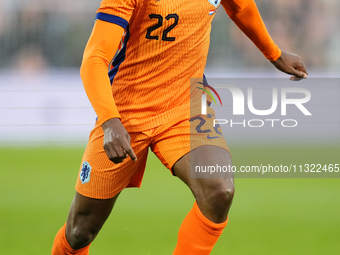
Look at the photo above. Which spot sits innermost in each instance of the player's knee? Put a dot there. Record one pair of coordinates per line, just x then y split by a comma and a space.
224, 195
230, 192
221, 196
80, 237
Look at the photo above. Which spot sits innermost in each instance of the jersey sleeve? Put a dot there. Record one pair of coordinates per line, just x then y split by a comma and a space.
116, 11
246, 16
99, 51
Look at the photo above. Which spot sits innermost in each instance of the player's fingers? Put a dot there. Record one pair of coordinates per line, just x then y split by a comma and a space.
124, 151
120, 151
108, 150
300, 66
294, 78
112, 154
128, 138
129, 151
128, 148
298, 73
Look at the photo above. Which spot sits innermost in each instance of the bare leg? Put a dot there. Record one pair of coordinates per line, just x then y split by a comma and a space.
213, 195
86, 218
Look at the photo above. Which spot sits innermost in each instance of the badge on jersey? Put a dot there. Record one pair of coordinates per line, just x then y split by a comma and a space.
85, 173
215, 3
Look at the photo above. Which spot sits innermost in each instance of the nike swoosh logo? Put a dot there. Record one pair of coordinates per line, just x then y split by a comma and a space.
212, 137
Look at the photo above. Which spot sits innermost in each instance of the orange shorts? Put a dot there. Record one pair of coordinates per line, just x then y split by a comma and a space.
102, 179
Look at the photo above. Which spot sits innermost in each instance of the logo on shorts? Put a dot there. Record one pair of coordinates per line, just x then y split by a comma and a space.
204, 97
85, 173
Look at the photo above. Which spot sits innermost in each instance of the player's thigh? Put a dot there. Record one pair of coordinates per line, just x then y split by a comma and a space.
208, 179
195, 142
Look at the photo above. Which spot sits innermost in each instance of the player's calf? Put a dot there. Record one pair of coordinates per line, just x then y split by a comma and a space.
86, 218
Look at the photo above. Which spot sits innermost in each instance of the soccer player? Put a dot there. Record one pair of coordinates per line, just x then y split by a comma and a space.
144, 102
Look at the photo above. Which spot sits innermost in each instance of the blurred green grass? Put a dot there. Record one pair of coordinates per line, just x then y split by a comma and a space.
269, 216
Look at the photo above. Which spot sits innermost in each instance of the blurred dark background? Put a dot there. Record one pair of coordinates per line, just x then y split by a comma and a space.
37, 35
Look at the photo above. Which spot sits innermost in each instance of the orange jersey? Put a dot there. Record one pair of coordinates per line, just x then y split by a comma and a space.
165, 43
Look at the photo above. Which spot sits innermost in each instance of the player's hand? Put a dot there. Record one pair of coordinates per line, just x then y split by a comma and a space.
117, 141
291, 64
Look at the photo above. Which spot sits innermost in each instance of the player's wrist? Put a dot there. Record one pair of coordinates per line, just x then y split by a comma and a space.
274, 55
279, 58
111, 122
107, 115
